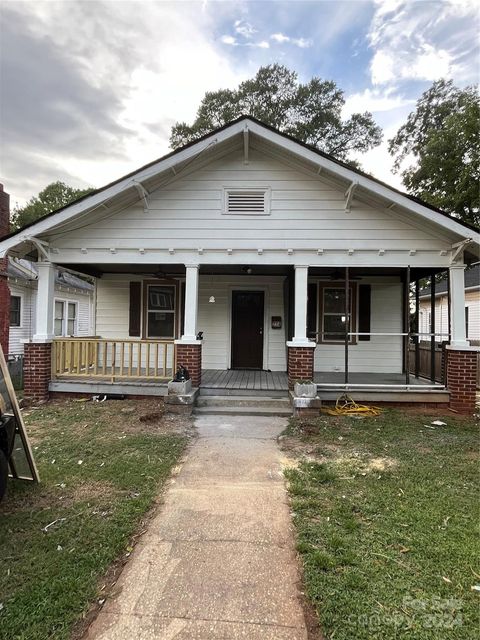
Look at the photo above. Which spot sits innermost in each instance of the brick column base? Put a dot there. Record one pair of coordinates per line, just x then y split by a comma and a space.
300, 364
462, 379
37, 370
190, 357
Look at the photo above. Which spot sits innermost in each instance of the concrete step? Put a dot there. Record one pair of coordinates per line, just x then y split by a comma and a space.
252, 410
243, 406
243, 401
259, 393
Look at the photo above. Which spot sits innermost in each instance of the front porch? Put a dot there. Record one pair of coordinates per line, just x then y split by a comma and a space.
378, 387
251, 332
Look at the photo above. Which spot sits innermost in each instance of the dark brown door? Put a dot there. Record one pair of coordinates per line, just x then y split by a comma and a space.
247, 329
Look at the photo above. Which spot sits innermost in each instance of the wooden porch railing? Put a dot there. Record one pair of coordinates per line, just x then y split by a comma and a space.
114, 359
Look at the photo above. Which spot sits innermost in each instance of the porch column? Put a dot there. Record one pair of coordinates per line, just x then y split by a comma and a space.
191, 302
45, 298
458, 338
462, 360
38, 353
300, 349
188, 348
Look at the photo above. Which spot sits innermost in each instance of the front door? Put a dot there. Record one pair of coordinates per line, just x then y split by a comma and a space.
247, 329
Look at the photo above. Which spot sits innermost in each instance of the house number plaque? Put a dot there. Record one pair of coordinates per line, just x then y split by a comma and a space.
276, 322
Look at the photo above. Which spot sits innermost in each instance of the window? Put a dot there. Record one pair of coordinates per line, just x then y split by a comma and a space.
247, 201
332, 313
71, 318
65, 320
466, 323
160, 311
59, 318
15, 311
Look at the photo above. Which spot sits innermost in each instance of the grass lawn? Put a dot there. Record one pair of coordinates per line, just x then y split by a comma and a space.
49, 578
387, 512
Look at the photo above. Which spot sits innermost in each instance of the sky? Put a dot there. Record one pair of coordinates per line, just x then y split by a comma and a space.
89, 90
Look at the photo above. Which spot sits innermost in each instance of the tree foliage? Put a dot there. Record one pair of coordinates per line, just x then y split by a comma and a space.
441, 139
311, 112
54, 196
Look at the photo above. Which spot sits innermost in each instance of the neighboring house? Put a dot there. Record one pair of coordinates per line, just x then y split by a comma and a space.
285, 261
73, 306
472, 307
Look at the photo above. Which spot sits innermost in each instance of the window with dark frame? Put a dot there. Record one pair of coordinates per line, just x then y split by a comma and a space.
160, 321
332, 313
15, 311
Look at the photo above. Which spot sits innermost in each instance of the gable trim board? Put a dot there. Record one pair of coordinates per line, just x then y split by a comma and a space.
128, 185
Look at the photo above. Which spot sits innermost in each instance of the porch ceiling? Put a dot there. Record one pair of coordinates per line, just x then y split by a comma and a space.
99, 269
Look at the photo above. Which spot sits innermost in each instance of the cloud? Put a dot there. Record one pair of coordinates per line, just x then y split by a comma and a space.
302, 43
375, 100
280, 38
86, 100
419, 41
228, 40
244, 28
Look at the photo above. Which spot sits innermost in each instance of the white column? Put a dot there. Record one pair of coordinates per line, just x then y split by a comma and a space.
45, 302
458, 338
301, 291
191, 303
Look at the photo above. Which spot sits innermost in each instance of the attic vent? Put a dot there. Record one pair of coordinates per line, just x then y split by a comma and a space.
247, 201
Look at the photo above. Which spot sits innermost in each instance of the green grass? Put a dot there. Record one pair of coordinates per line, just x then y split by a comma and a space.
387, 512
48, 579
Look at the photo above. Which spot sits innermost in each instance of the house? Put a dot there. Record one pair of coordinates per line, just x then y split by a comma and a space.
253, 260
73, 304
440, 311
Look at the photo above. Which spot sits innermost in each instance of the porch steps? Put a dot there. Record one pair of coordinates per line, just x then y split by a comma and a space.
239, 393
243, 406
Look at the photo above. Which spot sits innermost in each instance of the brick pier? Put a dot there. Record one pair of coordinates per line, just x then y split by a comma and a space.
300, 364
462, 379
190, 357
37, 370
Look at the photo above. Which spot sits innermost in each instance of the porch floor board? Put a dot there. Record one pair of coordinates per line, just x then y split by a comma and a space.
244, 379
278, 380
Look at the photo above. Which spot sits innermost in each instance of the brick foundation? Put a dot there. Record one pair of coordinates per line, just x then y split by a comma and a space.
300, 364
190, 357
37, 369
461, 379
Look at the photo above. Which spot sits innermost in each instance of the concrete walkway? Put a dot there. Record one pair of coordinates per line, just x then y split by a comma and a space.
218, 561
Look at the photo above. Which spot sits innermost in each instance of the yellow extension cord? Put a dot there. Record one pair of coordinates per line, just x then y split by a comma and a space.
346, 406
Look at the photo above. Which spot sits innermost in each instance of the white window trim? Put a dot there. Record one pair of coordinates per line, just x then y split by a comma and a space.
21, 325
267, 192
66, 302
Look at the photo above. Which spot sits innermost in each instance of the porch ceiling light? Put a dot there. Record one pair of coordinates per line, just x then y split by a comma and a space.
211, 299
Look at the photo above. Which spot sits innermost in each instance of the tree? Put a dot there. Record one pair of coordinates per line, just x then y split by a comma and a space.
311, 112
442, 138
54, 196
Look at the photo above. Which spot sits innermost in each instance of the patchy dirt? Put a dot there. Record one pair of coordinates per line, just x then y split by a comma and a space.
122, 416
41, 499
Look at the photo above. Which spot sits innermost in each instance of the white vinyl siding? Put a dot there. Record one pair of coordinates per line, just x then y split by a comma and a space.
381, 354
472, 303
84, 307
306, 212
17, 334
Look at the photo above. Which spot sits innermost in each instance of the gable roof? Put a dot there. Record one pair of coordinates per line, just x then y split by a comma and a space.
472, 280
227, 131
